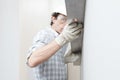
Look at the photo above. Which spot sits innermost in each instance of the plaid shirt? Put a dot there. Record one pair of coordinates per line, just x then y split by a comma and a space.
54, 68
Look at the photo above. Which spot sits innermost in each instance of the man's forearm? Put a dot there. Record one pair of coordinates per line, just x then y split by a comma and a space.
43, 53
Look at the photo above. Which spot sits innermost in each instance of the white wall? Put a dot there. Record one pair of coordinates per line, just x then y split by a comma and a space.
101, 48
9, 40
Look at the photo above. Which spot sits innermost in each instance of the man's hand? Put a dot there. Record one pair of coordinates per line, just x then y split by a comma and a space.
71, 31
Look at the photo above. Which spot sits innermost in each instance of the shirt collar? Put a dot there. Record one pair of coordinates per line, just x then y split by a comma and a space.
56, 34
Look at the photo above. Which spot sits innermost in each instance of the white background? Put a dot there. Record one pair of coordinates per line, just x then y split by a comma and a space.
101, 51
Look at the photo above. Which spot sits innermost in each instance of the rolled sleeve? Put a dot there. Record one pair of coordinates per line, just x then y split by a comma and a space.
38, 41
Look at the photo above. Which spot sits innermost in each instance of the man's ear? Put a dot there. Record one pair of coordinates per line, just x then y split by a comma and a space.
53, 19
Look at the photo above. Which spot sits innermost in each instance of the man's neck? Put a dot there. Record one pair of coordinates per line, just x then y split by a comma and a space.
54, 28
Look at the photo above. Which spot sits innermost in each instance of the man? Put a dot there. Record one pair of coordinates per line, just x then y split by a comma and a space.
46, 56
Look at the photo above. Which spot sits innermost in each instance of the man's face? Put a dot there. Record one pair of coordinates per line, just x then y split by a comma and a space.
60, 23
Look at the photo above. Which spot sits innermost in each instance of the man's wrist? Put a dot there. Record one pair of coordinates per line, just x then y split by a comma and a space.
61, 40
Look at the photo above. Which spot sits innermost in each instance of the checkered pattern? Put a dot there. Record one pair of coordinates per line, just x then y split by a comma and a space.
54, 68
